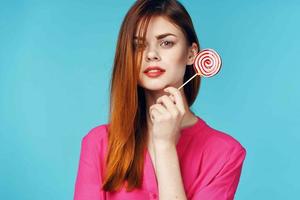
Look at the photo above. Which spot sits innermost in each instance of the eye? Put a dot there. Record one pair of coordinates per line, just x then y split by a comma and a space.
167, 43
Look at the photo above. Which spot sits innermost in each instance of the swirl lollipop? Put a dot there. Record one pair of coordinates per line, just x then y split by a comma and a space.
207, 64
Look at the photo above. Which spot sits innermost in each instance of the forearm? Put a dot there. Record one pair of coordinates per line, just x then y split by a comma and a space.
168, 173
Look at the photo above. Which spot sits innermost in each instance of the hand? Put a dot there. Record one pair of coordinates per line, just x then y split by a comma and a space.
166, 116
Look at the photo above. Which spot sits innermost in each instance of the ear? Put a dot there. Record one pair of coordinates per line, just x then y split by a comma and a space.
192, 53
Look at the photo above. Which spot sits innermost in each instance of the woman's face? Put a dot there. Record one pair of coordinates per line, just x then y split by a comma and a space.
165, 55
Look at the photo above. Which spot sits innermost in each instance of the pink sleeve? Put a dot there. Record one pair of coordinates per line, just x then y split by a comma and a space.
223, 186
89, 181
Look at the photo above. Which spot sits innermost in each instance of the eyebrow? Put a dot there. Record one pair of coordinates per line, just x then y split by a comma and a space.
160, 36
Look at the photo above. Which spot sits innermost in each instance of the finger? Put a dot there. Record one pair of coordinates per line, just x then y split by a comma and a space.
178, 97
172, 98
154, 114
170, 106
160, 108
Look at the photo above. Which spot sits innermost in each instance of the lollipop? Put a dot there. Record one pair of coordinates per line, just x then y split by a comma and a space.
207, 64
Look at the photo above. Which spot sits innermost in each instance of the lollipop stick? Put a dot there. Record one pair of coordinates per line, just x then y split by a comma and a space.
187, 81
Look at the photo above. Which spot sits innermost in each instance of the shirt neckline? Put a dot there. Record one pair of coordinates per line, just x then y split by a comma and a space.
198, 124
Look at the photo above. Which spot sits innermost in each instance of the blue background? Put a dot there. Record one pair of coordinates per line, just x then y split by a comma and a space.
55, 64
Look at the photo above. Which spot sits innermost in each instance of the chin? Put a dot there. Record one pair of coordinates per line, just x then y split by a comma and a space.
157, 85
154, 87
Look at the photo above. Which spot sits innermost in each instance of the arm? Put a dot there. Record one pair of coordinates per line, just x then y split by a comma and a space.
168, 173
166, 116
223, 186
88, 181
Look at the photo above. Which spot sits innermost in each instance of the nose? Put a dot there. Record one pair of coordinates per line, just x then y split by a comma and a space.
152, 55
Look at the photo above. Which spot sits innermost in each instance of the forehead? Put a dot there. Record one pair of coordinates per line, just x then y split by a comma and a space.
159, 25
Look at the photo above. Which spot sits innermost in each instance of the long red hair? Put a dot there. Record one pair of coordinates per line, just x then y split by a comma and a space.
127, 140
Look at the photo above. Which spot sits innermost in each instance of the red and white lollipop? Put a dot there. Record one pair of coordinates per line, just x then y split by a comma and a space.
207, 64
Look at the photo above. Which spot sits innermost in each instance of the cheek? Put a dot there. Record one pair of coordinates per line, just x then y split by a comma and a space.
177, 60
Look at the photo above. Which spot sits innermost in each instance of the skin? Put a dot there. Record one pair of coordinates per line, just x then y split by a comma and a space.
167, 108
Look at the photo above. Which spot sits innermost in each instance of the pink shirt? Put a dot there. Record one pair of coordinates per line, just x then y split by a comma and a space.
210, 160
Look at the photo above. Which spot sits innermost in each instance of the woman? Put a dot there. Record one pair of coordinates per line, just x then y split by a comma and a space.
154, 146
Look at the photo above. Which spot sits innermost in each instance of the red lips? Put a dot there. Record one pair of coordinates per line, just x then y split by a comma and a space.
153, 68
154, 71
